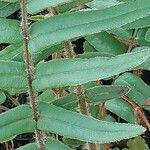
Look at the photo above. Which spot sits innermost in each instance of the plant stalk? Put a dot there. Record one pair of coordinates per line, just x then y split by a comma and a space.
138, 111
29, 71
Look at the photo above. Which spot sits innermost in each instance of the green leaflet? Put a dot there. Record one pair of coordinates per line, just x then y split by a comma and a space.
84, 128
139, 92
67, 102
2, 97
7, 9
63, 27
94, 95
106, 43
16, 121
147, 36
10, 31
103, 93
12, 76
121, 109
35, 6
47, 96
50, 144
71, 72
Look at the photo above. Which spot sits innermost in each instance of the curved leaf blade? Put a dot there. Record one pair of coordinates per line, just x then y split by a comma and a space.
43, 37
16, 121
10, 31
121, 109
7, 9
103, 93
139, 92
12, 76
71, 72
82, 127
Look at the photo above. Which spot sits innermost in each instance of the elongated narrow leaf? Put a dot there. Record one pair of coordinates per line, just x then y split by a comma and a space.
82, 127
139, 92
12, 76
2, 97
35, 6
16, 121
51, 31
106, 43
10, 31
7, 9
121, 109
70, 72
95, 94
50, 143
102, 93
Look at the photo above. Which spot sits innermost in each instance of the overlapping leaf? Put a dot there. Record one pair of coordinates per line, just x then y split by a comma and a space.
71, 72
12, 76
121, 109
103, 93
139, 92
16, 121
10, 31
68, 26
82, 127
106, 43
7, 9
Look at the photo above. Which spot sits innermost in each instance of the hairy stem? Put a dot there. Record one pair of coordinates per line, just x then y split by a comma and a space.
29, 70
138, 111
132, 40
